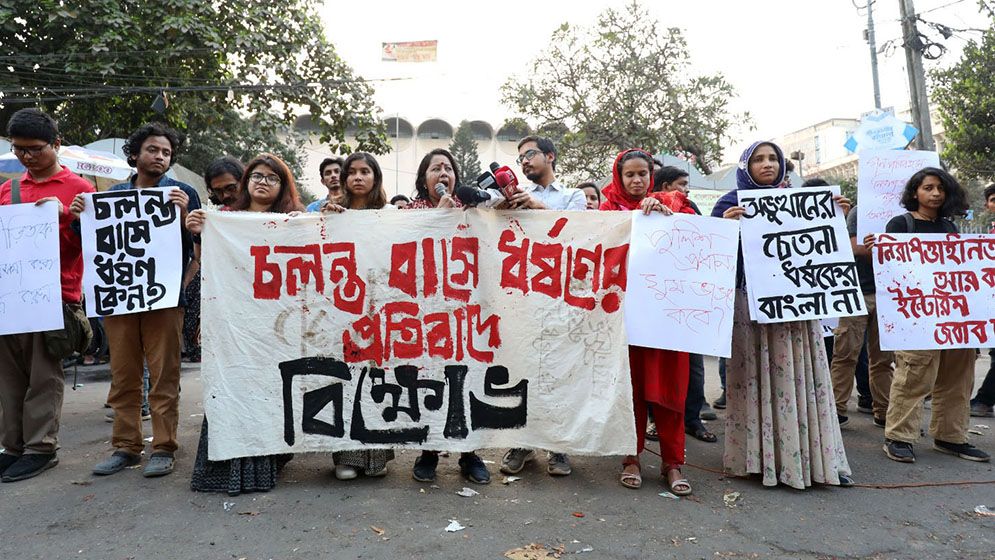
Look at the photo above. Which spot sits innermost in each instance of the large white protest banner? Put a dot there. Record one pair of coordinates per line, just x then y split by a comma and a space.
797, 255
432, 329
881, 178
682, 283
30, 282
131, 251
935, 291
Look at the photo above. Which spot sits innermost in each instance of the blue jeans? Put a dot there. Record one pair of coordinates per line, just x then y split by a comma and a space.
696, 390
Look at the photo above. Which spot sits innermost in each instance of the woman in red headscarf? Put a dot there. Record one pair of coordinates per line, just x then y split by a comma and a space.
659, 377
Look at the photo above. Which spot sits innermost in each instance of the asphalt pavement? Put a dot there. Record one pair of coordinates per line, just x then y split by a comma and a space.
67, 513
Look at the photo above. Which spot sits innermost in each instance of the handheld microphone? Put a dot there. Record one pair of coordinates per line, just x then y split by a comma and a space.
478, 198
505, 178
441, 189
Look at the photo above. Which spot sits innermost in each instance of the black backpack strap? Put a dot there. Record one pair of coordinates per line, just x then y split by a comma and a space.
15, 191
949, 226
910, 225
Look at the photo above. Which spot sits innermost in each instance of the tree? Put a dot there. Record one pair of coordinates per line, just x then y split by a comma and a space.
464, 149
228, 68
623, 83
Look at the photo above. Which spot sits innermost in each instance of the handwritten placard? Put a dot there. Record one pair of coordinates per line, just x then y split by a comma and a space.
797, 255
682, 280
131, 251
429, 329
881, 178
935, 291
30, 282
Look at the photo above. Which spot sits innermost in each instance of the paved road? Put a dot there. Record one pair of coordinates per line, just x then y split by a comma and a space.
67, 513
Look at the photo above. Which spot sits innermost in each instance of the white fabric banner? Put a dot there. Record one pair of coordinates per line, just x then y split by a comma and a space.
935, 290
881, 178
30, 281
797, 255
132, 251
682, 283
427, 329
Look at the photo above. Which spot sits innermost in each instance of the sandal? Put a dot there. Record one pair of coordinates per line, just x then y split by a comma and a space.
631, 479
700, 432
680, 486
651, 433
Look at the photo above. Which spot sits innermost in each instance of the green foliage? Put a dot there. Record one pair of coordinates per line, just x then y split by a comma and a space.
966, 102
464, 150
848, 186
624, 82
246, 67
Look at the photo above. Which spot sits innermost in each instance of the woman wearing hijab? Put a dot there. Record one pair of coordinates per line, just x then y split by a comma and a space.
659, 377
781, 417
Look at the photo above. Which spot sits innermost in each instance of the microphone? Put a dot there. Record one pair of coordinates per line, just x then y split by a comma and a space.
478, 198
505, 178
441, 189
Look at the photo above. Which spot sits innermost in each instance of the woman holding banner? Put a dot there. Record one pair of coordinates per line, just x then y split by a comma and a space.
659, 377
781, 418
267, 185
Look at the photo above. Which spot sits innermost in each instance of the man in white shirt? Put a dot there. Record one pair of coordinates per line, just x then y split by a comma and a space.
537, 156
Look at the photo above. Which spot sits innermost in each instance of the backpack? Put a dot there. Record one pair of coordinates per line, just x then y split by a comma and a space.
948, 226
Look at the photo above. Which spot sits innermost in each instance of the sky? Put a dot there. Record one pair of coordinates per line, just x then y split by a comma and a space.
793, 63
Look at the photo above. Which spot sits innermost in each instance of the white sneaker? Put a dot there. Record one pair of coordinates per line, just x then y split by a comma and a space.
345, 472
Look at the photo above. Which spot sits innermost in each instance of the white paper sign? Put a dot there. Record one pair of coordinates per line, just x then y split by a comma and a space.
935, 291
682, 283
132, 251
426, 329
30, 281
881, 178
797, 255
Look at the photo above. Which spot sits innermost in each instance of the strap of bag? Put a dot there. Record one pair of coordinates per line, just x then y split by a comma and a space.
15, 191
910, 225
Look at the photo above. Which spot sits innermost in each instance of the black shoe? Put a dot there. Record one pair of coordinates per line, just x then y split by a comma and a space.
865, 405
844, 420
879, 422
6, 460
846, 481
720, 403
962, 450
474, 469
899, 451
425, 464
28, 466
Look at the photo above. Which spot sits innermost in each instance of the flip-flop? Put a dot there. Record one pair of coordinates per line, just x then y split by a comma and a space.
675, 486
631, 480
701, 433
651, 433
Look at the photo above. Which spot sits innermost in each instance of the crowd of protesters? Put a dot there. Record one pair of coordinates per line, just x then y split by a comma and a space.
785, 396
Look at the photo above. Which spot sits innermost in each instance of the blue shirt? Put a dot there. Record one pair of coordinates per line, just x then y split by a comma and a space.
187, 239
316, 205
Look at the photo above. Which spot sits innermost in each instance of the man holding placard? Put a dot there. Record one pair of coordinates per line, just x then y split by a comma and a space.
31, 377
143, 321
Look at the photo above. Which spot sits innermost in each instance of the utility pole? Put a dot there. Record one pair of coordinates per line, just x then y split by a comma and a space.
874, 54
917, 78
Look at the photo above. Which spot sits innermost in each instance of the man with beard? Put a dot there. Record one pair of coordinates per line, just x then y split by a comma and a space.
537, 156
151, 337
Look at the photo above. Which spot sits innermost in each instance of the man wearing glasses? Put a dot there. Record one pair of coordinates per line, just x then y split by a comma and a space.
537, 156
329, 170
31, 379
151, 337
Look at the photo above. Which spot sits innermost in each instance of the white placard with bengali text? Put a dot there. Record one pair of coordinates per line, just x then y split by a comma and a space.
30, 281
682, 283
881, 178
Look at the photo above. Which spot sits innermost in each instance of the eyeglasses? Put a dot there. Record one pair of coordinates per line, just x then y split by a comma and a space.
527, 156
271, 180
231, 188
25, 150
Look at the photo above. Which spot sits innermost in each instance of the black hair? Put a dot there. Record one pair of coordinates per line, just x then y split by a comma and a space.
133, 146
33, 123
592, 185
377, 197
955, 199
989, 191
667, 174
326, 162
544, 144
421, 190
635, 154
815, 182
399, 197
222, 165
